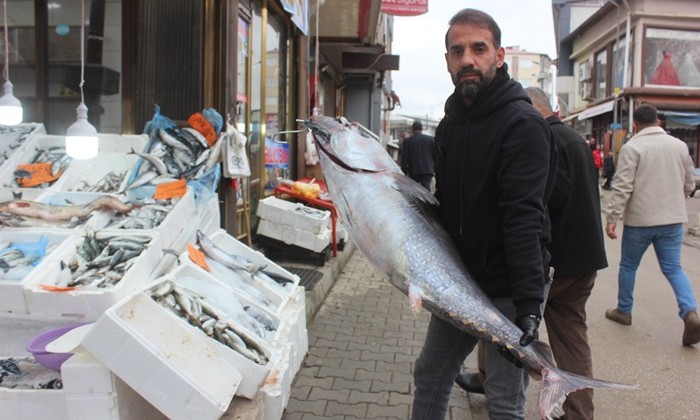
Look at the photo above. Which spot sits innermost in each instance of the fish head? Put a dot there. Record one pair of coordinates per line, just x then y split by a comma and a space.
348, 147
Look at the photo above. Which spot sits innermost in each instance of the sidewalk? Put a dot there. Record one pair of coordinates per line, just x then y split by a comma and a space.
364, 340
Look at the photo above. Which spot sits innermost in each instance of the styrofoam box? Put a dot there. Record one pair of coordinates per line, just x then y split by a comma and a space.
293, 328
173, 366
209, 215
25, 154
83, 303
278, 385
12, 291
97, 220
90, 171
181, 217
222, 297
295, 215
92, 391
32, 404
9, 194
253, 374
12, 138
315, 242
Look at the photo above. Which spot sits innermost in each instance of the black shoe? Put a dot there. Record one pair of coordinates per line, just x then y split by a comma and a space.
470, 382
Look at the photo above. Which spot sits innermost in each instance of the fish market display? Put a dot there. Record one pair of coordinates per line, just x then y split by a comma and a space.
26, 373
146, 214
56, 161
175, 153
24, 213
107, 184
17, 259
100, 261
199, 313
11, 138
390, 218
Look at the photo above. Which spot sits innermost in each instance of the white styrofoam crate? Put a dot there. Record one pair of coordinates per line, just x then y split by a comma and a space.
97, 220
176, 368
13, 137
12, 297
31, 404
84, 303
278, 385
92, 391
181, 217
9, 194
25, 154
315, 242
227, 300
209, 215
82, 173
294, 215
293, 330
252, 374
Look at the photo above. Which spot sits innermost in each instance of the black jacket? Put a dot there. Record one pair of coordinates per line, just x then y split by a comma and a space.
577, 245
417, 155
494, 173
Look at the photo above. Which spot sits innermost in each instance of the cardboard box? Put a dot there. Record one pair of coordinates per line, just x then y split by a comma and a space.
176, 368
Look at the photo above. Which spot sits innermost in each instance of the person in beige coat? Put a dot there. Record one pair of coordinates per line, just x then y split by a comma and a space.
654, 177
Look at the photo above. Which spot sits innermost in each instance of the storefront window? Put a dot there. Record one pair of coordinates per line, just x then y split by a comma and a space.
22, 63
671, 57
601, 73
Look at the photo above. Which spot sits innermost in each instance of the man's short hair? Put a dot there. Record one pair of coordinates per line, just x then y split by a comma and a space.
417, 126
476, 18
645, 114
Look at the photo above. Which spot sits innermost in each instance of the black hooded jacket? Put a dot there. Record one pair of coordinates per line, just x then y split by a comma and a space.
495, 170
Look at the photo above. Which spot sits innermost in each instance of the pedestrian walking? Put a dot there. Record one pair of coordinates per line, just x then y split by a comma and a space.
654, 177
608, 170
495, 171
578, 252
417, 156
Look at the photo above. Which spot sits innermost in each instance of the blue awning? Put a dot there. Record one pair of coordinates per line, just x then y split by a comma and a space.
690, 119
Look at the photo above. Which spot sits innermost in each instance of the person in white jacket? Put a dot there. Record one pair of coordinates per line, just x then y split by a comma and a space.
654, 176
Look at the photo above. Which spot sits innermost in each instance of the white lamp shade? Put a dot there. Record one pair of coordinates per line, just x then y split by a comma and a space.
10, 107
81, 137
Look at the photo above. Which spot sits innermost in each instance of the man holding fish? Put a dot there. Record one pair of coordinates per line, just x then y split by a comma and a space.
495, 171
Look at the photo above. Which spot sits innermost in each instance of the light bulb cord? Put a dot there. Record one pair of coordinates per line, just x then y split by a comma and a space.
6, 69
82, 50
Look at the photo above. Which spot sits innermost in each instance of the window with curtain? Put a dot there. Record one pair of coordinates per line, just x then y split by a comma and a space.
601, 74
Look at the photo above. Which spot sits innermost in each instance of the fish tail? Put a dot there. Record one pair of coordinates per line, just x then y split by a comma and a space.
557, 384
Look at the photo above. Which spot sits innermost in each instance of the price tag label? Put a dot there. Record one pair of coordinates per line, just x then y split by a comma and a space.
36, 174
199, 123
170, 189
198, 257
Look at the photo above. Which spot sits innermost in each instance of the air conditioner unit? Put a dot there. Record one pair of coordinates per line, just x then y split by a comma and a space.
586, 91
584, 71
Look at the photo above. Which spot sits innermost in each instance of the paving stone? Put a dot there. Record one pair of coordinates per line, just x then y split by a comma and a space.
337, 395
358, 410
375, 411
398, 398
305, 406
378, 386
354, 365
351, 384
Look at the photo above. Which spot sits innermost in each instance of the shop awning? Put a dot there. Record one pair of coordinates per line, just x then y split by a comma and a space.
570, 117
690, 119
597, 110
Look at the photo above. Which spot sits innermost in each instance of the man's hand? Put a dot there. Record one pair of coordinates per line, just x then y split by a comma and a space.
529, 324
610, 230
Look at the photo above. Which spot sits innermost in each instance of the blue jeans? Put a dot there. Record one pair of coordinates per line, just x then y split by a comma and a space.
441, 360
667, 241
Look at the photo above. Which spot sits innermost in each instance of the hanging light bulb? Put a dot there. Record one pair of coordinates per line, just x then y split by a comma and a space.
10, 106
81, 136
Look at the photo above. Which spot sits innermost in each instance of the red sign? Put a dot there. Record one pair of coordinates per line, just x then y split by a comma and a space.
405, 7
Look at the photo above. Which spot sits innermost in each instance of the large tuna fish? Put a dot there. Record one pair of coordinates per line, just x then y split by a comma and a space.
390, 218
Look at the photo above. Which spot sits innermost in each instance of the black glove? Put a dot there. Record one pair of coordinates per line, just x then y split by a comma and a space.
529, 324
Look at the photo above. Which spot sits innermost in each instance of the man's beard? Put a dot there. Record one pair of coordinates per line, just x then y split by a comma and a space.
472, 88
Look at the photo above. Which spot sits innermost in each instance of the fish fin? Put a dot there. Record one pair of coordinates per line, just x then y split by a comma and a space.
411, 188
415, 297
17, 195
557, 384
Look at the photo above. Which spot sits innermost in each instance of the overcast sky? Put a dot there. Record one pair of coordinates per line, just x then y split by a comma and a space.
422, 82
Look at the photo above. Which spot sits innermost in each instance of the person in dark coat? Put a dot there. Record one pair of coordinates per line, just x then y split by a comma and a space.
417, 156
608, 170
495, 170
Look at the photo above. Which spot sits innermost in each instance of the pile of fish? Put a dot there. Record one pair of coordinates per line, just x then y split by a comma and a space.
248, 277
100, 261
11, 138
55, 155
146, 214
27, 373
403, 237
199, 313
109, 183
25, 213
17, 259
175, 153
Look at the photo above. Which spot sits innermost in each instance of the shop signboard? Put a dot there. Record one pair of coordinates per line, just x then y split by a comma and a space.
405, 7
